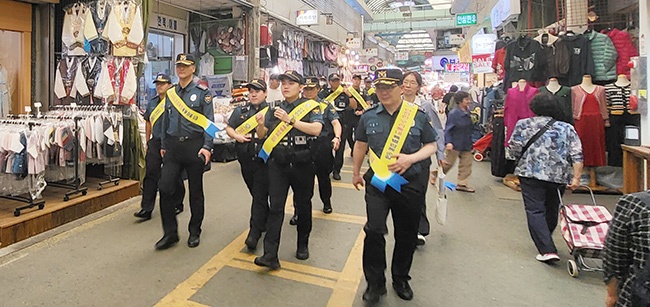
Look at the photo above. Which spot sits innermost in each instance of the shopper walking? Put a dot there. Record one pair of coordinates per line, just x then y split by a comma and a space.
447, 100
185, 146
545, 147
410, 87
396, 181
153, 131
242, 127
458, 139
274, 93
291, 128
345, 107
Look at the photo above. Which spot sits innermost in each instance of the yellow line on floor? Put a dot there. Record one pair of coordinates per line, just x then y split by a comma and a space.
296, 267
193, 304
340, 217
346, 286
338, 184
185, 290
286, 274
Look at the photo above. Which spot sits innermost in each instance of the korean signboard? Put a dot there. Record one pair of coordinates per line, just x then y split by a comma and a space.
458, 67
482, 63
307, 17
467, 19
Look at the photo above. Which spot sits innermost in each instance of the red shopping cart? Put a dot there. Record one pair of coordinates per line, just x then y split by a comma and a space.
584, 228
482, 146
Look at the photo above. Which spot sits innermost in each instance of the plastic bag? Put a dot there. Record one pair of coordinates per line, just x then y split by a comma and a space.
441, 205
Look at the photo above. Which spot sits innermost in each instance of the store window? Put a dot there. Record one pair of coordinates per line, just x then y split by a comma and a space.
162, 48
10, 61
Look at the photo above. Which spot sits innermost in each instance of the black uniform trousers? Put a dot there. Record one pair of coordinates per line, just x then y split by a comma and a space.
300, 177
152, 177
323, 161
182, 156
406, 208
425, 226
346, 136
615, 136
256, 176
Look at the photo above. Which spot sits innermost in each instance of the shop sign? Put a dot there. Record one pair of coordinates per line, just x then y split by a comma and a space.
307, 17
168, 23
483, 43
504, 11
353, 43
458, 67
465, 53
402, 56
370, 52
482, 63
456, 39
439, 62
466, 19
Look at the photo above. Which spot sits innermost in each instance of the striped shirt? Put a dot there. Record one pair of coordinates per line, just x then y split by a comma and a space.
618, 98
627, 245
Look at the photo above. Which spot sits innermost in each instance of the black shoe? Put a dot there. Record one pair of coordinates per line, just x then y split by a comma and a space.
143, 214
336, 175
327, 208
403, 290
372, 294
167, 242
294, 220
178, 210
271, 264
302, 253
251, 243
194, 240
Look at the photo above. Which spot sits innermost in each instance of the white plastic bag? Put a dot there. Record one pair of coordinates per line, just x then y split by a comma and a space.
441, 205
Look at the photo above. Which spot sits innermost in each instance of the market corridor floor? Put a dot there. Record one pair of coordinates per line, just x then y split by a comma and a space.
483, 257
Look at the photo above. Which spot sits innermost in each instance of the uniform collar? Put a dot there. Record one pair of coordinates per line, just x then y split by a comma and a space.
380, 108
260, 106
187, 87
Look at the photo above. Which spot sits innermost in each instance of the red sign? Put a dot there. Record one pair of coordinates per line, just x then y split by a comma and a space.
482, 63
457, 67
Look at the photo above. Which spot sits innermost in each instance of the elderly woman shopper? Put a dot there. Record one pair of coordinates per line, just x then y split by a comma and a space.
547, 150
458, 140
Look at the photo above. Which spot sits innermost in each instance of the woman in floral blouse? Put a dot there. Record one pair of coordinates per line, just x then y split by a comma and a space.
544, 168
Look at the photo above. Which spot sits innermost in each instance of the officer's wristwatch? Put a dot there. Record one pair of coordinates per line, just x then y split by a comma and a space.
292, 121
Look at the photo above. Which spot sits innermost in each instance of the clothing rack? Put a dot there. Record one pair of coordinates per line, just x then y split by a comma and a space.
30, 199
74, 187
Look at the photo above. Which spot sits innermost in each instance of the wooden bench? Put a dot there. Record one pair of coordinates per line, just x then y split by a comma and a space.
636, 168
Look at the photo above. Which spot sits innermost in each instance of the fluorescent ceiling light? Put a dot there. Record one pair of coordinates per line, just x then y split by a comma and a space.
440, 2
441, 7
398, 4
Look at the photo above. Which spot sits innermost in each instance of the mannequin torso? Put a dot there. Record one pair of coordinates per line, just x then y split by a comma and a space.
553, 85
622, 81
587, 85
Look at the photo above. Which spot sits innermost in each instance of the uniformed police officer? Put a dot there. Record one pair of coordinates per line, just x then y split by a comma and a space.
412, 162
153, 159
253, 169
354, 118
185, 146
329, 138
290, 165
345, 108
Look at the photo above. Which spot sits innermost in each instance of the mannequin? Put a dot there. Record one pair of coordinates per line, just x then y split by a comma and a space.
618, 99
563, 95
591, 118
521, 84
622, 81
517, 106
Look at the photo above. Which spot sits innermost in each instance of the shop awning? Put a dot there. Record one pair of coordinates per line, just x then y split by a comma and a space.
207, 5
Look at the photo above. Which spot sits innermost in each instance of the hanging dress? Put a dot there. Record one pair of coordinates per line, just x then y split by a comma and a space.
591, 130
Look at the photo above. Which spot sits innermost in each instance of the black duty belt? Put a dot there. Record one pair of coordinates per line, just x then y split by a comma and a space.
184, 138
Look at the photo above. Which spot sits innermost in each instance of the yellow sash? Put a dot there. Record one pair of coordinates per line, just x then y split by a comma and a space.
283, 128
332, 96
396, 138
323, 106
247, 126
371, 91
358, 98
157, 112
191, 115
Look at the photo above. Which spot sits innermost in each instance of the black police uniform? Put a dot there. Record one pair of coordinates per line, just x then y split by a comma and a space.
182, 141
374, 127
354, 118
154, 164
290, 165
323, 158
346, 113
253, 169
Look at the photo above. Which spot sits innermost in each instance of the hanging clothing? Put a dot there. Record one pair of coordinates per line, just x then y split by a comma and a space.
73, 29
69, 81
122, 78
564, 97
207, 65
95, 24
591, 128
581, 60
604, 55
5, 93
579, 95
525, 59
91, 68
625, 48
125, 29
618, 98
517, 107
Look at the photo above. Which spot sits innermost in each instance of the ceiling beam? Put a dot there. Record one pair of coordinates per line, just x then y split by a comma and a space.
415, 16
407, 25
361, 8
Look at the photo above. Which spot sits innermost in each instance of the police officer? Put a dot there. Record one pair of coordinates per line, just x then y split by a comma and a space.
153, 158
290, 165
185, 146
412, 163
253, 169
329, 138
354, 118
345, 108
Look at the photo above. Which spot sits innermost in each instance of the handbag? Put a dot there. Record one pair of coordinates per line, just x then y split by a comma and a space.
535, 138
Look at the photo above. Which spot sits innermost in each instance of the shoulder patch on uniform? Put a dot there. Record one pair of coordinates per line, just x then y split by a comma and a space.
201, 86
332, 111
374, 106
208, 98
316, 110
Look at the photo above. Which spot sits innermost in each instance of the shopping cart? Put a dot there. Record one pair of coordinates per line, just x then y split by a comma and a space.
584, 228
482, 147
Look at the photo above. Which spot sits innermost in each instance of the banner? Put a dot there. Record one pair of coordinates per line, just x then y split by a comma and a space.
482, 63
